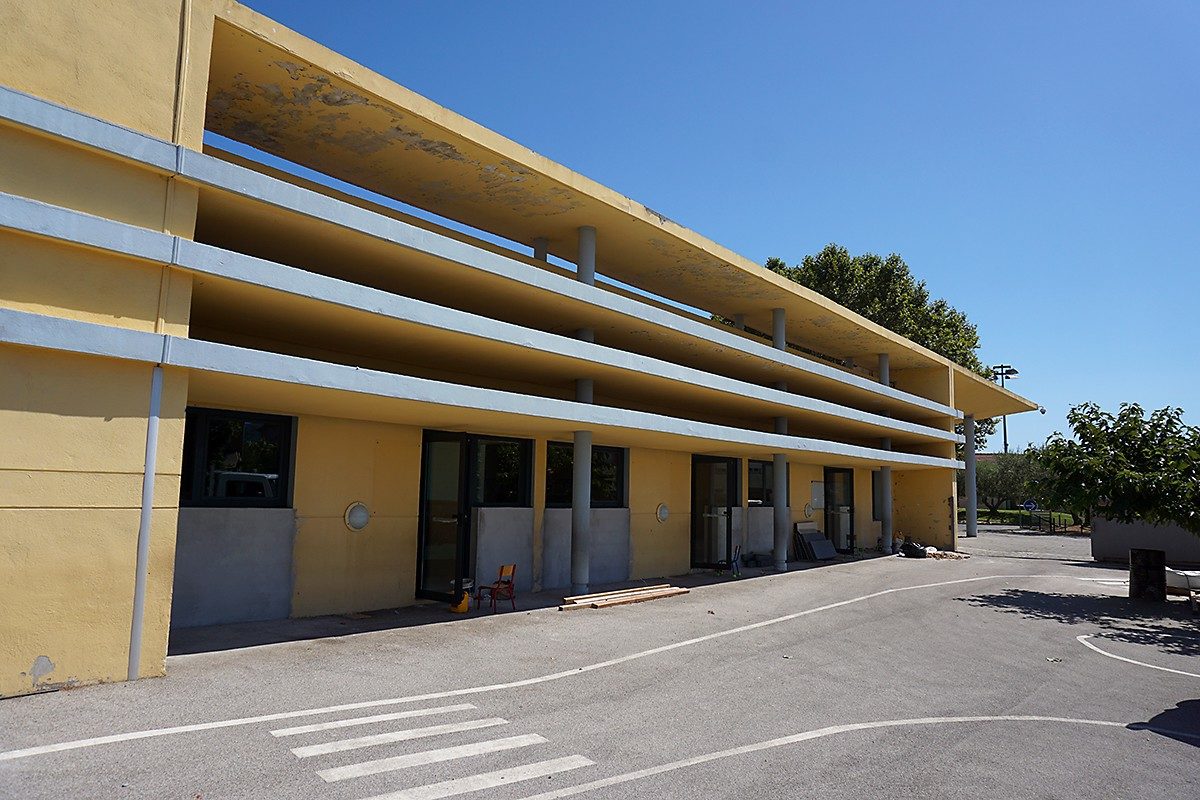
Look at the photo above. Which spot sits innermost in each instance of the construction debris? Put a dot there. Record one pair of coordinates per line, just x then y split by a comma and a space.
947, 555
620, 597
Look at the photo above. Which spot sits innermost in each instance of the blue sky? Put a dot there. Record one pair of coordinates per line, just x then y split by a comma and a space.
1038, 164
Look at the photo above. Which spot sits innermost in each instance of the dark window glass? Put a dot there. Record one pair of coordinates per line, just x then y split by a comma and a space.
502, 468
558, 474
232, 458
876, 495
760, 483
608, 475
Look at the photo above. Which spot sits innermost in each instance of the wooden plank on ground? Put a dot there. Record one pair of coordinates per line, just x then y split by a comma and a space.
600, 595
640, 598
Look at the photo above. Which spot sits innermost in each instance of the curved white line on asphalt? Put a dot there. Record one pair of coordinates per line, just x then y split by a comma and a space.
1083, 640
309, 712
832, 730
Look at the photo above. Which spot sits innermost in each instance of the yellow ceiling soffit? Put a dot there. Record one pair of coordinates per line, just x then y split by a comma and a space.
276, 90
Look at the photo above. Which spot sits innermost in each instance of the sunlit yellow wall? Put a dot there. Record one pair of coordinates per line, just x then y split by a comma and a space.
70, 495
934, 383
866, 530
539, 509
75, 427
926, 506
659, 548
339, 462
802, 477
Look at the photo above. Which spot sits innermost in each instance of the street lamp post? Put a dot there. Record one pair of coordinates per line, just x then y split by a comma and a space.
1003, 371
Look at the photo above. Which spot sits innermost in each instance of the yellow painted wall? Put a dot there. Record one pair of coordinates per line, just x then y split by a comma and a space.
539, 509
866, 530
802, 476
75, 427
111, 59
43, 277
70, 495
934, 383
659, 548
925, 506
339, 462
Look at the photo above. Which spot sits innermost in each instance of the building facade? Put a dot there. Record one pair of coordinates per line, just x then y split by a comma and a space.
232, 393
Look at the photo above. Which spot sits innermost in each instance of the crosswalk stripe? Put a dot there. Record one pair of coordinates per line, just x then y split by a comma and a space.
428, 757
486, 780
395, 736
346, 723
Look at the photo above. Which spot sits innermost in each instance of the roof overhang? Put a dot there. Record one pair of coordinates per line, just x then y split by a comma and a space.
284, 94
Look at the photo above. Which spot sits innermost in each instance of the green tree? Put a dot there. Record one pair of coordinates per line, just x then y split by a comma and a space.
1127, 466
1002, 478
884, 291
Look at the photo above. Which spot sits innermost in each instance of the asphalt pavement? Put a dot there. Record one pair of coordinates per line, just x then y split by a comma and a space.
1021, 671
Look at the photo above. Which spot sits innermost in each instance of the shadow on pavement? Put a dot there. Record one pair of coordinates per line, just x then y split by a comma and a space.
1122, 619
234, 636
1181, 723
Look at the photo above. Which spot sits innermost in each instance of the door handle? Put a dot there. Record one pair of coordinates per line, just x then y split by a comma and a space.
446, 519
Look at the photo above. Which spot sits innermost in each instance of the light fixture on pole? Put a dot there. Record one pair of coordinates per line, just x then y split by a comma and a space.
1004, 371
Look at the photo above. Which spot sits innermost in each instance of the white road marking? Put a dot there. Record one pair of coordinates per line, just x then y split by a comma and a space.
428, 757
311, 712
347, 723
395, 736
486, 780
1083, 640
832, 730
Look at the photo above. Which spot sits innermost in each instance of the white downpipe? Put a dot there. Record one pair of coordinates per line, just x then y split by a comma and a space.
143, 544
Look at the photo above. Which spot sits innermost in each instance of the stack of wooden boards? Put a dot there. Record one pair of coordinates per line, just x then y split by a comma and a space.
621, 597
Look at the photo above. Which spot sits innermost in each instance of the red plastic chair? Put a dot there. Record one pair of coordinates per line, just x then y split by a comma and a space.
505, 588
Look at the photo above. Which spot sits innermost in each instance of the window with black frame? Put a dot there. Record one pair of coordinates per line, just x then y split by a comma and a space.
608, 475
760, 483
236, 458
501, 471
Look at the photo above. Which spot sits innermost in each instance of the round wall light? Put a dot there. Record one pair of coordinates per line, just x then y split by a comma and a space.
662, 512
357, 516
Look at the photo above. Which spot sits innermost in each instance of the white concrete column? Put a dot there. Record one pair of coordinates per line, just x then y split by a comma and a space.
779, 328
541, 248
586, 263
581, 474
969, 478
739, 321
885, 369
581, 513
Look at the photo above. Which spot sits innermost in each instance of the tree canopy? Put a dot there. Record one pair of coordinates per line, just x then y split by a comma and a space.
1127, 466
1004, 477
884, 291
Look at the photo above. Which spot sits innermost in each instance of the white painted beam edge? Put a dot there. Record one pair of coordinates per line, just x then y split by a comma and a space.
49, 118
38, 330
75, 227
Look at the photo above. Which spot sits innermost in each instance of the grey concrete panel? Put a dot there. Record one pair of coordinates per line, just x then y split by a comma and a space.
760, 530
503, 536
609, 561
1111, 541
232, 565
39, 330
